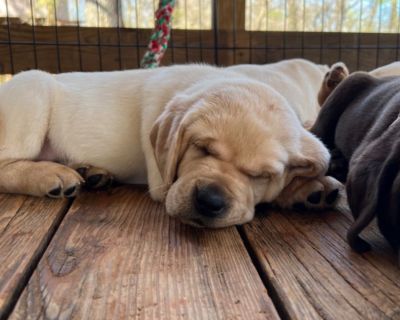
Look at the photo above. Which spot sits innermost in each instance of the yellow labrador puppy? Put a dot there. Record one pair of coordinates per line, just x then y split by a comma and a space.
210, 142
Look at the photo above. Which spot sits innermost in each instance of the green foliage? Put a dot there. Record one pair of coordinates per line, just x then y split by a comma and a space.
323, 15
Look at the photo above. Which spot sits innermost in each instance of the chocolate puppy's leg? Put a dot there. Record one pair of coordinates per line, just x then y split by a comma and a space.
369, 187
355, 241
338, 166
363, 196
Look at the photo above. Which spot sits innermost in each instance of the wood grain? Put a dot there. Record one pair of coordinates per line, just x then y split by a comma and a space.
118, 256
314, 273
231, 15
26, 225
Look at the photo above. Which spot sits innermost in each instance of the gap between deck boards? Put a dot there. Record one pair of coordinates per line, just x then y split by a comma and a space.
278, 303
7, 304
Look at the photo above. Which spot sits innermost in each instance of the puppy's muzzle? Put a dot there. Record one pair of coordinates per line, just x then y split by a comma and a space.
210, 201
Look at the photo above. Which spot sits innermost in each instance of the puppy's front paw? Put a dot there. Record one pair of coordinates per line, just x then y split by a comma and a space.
95, 177
357, 244
59, 181
336, 75
333, 77
302, 194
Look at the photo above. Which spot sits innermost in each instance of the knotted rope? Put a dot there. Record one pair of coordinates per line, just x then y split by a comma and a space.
159, 39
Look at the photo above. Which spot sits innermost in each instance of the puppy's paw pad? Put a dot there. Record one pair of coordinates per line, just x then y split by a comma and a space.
315, 197
71, 192
336, 75
68, 192
332, 196
93, 180
332, 83
339, 71
99, 181
359, 245
94, 177
55, 193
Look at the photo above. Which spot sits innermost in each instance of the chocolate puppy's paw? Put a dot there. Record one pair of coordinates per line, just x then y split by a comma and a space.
338, 166
333, 77
336, 75
359, 245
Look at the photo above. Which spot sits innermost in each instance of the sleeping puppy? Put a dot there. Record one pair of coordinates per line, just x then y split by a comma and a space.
360, 121
211, 143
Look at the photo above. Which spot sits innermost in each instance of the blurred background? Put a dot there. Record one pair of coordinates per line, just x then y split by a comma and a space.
90, 35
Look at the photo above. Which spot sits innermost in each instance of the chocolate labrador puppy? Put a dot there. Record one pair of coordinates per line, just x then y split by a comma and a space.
359, 122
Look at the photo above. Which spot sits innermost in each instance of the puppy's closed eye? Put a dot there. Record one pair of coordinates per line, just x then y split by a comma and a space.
203, 149
257, 175
211, 147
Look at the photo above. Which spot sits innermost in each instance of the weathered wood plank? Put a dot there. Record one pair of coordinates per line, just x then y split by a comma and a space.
118, 256
231, 15
26, 226
314, 273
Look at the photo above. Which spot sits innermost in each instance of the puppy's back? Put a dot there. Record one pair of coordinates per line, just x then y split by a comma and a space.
350, 112
369, 117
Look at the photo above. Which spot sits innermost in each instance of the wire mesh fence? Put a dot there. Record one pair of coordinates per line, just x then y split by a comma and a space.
91, 35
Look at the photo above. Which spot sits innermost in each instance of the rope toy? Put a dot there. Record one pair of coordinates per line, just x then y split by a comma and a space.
159, 39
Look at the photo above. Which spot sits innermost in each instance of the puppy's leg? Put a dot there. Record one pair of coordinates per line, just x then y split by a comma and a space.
333, 77
38, 178
25, 117
305, 193
338, 166
95, 178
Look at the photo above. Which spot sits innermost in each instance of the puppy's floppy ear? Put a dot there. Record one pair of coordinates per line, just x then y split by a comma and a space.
311, 158
168, 138
369, 189
389, 220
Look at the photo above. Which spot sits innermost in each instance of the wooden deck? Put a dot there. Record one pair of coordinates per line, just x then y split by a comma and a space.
116, 255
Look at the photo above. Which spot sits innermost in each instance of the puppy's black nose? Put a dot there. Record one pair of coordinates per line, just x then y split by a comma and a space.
209, 201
